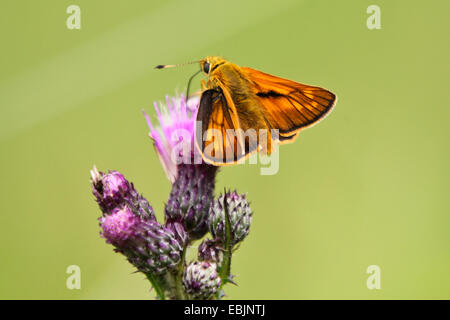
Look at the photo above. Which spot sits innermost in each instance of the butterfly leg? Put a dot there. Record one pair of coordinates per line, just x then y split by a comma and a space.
203, 85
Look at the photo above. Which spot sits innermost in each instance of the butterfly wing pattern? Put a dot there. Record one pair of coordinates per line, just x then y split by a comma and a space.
290, 106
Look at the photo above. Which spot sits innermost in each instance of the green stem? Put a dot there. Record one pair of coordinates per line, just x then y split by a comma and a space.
225, 268
155, 283
181, 295
175, 280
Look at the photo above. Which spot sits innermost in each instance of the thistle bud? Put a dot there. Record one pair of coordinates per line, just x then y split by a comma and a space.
240, 217
113, 191
201, 280
149, 246
211, 251
191, 198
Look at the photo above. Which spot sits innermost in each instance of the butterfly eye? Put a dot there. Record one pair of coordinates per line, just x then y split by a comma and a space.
206, 67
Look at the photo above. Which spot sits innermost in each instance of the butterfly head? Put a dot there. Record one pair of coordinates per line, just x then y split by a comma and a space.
209, 64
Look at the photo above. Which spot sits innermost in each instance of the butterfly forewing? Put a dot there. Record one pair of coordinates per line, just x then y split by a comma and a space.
288, 105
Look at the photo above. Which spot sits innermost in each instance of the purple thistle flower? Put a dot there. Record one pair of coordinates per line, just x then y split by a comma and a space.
201, 280
129, 224
113, 191
119, 226
174, 138
193, 180
149, 246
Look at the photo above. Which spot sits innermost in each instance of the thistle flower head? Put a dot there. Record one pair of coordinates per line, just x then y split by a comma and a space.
112, 191
201, 280
119, 226
114, 185
240, 217
149, 246
192, 179
174, 138
191, 197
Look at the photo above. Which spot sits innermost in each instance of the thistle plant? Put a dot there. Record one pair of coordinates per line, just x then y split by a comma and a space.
191, 214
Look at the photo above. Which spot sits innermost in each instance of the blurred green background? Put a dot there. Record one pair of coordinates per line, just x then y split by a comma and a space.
367, 186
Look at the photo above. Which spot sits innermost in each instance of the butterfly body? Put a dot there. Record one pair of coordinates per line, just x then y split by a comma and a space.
228, 78
241, 107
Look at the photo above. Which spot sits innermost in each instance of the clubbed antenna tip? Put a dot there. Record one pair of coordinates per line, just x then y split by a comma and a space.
164, 66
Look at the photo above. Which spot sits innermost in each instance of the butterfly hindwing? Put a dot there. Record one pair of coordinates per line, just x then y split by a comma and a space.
219, 143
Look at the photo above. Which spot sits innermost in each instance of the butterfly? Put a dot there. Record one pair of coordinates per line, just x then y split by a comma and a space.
243, 110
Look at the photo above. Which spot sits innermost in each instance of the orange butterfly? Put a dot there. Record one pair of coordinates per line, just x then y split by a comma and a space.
243, 110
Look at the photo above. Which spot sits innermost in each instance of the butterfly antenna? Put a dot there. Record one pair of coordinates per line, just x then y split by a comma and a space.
165, 66
189, 84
